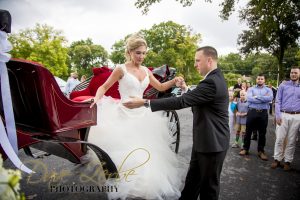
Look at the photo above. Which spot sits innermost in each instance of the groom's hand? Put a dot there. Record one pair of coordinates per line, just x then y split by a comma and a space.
179, 82
134, 102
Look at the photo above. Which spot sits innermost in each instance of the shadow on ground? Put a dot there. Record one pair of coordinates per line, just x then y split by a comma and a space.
249, 178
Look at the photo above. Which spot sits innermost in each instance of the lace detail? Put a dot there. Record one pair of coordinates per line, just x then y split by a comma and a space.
129, 85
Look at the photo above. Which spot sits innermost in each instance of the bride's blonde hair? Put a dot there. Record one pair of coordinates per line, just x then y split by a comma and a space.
134, 41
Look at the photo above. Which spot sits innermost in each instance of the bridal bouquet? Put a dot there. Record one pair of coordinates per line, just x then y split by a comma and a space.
9, 183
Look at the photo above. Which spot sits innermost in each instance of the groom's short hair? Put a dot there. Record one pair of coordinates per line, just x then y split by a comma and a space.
209, 51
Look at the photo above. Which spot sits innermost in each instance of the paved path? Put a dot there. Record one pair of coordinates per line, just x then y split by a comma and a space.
243, 178
251, 178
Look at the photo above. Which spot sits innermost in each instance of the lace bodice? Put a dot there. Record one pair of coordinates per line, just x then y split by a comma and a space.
129, 85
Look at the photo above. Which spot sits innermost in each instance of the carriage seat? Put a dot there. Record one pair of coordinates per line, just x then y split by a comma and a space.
38, 103
100, 75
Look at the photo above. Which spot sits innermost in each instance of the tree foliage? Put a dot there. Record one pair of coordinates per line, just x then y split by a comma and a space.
172, 44
297, 57
273, 26
145, 4
290, 59
168, 43
231, 78
84, 55
250, 66
118, 52
42, 44
175, 45
232, 63
228, 7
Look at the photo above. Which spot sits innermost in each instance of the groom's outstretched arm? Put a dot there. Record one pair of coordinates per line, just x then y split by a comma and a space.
203, 93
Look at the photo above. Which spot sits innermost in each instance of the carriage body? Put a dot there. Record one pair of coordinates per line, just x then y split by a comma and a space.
41, 109
49, 121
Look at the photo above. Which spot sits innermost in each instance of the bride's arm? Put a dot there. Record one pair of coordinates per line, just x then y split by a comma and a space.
163, 86
115, 76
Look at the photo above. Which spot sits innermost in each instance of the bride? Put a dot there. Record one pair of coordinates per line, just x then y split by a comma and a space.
137, 140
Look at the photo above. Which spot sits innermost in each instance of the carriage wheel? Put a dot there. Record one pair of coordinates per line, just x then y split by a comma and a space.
108, 165
174, 129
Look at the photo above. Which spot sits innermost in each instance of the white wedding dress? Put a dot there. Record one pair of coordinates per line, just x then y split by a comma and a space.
137, 141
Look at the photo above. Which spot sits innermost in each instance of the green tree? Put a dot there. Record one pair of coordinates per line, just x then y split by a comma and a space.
249, 62
268, 65
261, 63
297, 57
42, 44
231, 78
145, 4
273, 26
172, 44
84, 55
168, 43
117, 55
290, 59
250, 66
232, 63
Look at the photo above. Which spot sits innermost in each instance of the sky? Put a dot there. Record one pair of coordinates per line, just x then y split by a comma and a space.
107, 21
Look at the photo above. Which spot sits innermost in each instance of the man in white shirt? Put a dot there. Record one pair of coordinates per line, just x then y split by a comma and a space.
71, 83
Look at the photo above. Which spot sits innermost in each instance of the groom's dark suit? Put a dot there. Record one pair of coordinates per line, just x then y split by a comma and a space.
209, 102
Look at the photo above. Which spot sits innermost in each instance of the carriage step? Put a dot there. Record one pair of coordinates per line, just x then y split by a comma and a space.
40, 154
36, 155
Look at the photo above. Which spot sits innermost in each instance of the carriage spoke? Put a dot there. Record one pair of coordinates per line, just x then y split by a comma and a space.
174, 126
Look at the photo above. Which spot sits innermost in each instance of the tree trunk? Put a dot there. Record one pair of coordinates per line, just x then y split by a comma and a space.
280, 64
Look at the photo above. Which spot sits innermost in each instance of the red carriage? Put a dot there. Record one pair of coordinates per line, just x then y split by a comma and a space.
49, 121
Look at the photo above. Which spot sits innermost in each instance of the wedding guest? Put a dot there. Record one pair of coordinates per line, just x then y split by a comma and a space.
231, 111
241, 119
287, 110
258, 97
83, 78
248, 84
237, 87
273, 100
72, 82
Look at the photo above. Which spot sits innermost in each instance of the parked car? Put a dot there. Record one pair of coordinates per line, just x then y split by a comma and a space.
177, 91
192, 87
61, 83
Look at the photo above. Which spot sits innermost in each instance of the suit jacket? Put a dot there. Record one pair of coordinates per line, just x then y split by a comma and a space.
209, 102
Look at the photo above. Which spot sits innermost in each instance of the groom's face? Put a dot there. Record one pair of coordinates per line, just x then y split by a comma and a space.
201, 63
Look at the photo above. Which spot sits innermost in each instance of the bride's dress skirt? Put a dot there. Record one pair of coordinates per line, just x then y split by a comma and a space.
137, 141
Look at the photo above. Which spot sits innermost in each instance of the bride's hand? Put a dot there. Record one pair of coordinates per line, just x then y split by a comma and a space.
134, 102
93, 101
179, 82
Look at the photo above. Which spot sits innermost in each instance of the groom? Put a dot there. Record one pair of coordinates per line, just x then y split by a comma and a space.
209, 102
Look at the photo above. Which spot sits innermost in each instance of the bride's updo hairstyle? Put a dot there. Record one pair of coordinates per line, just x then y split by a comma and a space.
133, 42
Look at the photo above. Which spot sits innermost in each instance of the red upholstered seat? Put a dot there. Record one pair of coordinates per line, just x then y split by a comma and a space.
100, 76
